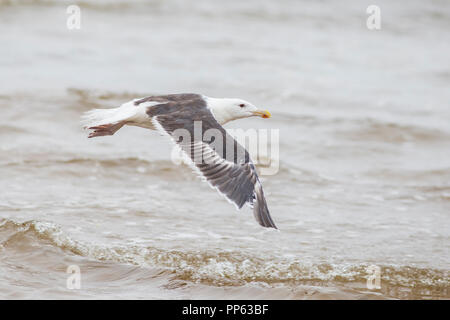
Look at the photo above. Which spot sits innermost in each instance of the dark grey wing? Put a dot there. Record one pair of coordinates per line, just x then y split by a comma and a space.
219, 159
177, 97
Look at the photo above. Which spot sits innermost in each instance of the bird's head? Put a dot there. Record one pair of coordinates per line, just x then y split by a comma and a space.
225, 110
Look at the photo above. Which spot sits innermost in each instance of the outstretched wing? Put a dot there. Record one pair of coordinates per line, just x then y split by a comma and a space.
219, 159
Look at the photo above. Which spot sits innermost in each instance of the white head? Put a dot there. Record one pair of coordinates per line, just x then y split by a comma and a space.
225, 110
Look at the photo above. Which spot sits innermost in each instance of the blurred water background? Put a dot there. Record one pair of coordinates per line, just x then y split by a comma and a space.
364, 175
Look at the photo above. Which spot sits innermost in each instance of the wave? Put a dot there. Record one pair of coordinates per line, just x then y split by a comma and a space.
427, 184
87, 161
224, 268
88, 99
12, 130
388, 132
417, 184
142, 164
367, 129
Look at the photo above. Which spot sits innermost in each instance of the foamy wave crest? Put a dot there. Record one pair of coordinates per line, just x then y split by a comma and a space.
224, 268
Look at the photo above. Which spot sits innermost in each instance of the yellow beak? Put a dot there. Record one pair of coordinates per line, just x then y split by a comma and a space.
262, 113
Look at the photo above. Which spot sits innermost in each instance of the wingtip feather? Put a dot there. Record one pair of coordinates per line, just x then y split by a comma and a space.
260, 209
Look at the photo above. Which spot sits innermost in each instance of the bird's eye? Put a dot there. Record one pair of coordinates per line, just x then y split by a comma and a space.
242, 105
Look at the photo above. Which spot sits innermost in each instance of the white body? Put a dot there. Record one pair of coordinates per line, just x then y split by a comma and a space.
223, 110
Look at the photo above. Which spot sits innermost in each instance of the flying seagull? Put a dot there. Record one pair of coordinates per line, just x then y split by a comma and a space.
223, 162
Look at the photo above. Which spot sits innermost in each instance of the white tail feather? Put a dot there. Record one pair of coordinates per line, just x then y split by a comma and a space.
108, 121
96, 117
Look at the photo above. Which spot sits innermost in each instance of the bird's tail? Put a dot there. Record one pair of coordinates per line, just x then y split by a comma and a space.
103, 122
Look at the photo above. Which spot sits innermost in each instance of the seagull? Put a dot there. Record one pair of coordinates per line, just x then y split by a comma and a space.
220, 159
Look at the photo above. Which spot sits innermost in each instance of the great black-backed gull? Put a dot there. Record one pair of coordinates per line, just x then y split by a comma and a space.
223, 162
